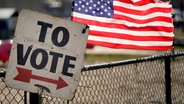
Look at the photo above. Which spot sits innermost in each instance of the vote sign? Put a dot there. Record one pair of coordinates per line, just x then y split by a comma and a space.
47, 55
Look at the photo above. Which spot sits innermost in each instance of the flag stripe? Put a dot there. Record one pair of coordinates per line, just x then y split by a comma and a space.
119, 3
130, 1
130, 37
128, 46
118, 21
141, 12
123, 41
122, 26
136, 0
143, 20
135, 33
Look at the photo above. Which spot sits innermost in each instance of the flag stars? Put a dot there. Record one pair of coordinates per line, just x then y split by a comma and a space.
79, 9
86, 10
76, 4
109, 14
93, 12
108, 2
90, 8
102, 8
87, 3
94, 5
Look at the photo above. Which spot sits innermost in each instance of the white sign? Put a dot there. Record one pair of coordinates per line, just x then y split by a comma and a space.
46, 55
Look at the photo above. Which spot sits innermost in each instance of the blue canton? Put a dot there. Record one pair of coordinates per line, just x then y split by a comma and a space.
101, 8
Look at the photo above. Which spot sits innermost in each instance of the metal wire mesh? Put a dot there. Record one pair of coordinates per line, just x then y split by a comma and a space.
9, 95
137, 81
127, 84
177, 83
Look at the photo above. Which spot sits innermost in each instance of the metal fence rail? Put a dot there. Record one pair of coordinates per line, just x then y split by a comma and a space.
157, 79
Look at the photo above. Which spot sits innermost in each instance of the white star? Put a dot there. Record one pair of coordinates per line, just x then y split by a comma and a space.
76, 4
102, 6
79, 9
93, 12
94, 5
86, 10
87, 3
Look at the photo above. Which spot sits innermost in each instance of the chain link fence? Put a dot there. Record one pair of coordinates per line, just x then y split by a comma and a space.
9, 95
157, 79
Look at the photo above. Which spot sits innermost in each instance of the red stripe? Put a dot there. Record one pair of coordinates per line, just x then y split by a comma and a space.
129, 19
142, 2
130, 2
142, 12
123, 26
119, 46
130, 37
125, 1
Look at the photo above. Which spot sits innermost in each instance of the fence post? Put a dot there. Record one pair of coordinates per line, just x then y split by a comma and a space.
25, 97
168, 80
34, 98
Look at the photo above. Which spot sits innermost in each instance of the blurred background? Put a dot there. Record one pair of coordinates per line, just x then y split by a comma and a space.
61, 8
9, 10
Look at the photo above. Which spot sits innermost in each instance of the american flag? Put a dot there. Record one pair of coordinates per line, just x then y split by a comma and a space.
126, 23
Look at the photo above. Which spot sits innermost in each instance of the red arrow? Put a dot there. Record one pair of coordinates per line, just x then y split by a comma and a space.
25, 75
